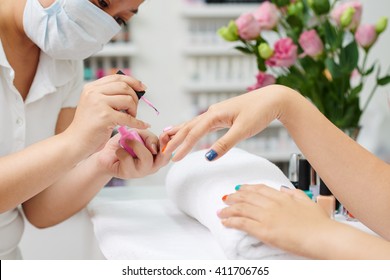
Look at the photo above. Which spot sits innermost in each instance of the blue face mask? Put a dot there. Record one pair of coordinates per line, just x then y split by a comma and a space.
68, 29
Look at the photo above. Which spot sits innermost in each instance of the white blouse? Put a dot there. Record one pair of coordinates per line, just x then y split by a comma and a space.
57, 84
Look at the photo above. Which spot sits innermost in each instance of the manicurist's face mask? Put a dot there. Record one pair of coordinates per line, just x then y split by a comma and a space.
68, 29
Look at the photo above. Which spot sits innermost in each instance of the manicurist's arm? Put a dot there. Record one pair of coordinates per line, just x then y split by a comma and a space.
26, 173
75, 189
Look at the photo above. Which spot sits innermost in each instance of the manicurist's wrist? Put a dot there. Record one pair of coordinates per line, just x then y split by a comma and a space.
71, 148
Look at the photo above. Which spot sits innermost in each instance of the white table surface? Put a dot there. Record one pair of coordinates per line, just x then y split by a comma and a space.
111, 195
142, 223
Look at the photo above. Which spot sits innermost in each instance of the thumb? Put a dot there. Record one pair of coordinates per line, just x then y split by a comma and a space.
233, 136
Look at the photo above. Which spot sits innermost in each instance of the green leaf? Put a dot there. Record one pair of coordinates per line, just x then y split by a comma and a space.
281, 3
243, 49
368, 71
355, 91
261, 64
332, 36
333, 68
296, 27
383, 81
349, 57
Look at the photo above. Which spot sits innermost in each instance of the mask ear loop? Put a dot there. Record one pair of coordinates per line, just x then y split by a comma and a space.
140, 95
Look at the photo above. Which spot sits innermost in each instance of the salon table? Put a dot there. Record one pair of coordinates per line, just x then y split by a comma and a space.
142, 223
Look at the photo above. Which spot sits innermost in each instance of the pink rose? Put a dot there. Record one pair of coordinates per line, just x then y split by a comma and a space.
248, 27
366, 35
267, 15
263, 80
285, 53
340, 9
311, 43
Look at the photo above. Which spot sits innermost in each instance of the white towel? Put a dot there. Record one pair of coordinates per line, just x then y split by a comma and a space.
150, 229
197, 187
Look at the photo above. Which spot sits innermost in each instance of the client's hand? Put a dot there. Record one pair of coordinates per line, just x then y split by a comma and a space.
119, 163
245, 115
286, 219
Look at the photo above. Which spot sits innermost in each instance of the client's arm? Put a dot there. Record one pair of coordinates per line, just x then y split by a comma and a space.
357, 178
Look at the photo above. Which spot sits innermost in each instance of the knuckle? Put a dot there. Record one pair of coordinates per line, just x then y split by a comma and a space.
123, 86
237, 209
212, 108
240, 223
191, 137
222, 146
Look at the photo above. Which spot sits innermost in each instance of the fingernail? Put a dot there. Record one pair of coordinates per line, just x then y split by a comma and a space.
219, 212
224, 197
163, 149
167, 128
143, 86
173, 154
210, 155
237, 187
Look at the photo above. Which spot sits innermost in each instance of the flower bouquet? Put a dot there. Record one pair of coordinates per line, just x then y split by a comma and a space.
315, 50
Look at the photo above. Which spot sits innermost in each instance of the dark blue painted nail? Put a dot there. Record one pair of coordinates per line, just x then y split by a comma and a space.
210, 155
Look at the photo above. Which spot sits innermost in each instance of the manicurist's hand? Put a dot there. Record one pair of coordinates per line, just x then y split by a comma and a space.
104, 104
117, 162
245, 115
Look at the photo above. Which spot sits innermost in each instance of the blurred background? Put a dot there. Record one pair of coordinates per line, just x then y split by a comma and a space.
174, 49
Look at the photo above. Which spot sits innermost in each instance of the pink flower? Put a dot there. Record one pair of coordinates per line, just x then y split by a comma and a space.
263, 80
248, 27
340, 9
366, 35
311, 43
355, 74
285, 53
267, 15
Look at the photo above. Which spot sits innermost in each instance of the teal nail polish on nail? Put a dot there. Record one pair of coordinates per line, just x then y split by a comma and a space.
237, 187
309, 194
173, 154
210, 155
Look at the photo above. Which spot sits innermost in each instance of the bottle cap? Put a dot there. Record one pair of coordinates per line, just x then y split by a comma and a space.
324, 189
293, 167
304, 174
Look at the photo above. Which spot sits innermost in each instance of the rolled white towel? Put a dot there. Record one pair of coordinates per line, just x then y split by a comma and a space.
197, 186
